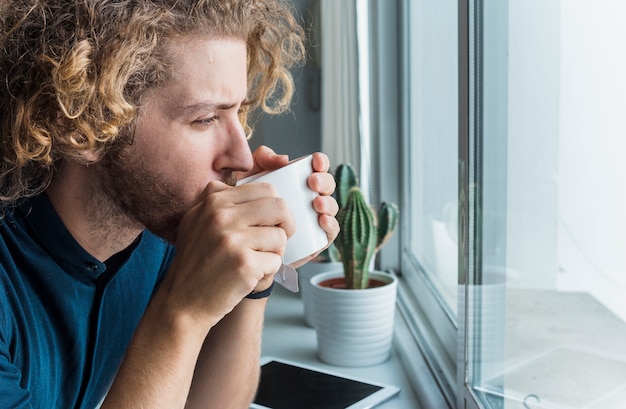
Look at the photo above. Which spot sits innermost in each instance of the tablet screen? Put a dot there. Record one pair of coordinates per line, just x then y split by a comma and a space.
285, 385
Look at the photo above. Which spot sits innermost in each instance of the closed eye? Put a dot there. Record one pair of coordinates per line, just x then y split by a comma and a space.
206, 121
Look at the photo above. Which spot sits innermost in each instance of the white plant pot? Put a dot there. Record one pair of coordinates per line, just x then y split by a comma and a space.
305, 273
354, 327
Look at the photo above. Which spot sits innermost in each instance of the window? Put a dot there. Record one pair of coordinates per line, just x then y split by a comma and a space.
513, 196
546, 324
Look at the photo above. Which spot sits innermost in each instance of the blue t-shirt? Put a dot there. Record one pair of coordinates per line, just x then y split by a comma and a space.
66, 318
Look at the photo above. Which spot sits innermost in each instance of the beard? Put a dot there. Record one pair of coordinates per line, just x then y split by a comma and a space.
134, 196
143, 198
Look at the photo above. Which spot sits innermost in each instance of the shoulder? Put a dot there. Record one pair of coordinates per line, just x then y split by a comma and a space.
155, 249
7, 293
152, 257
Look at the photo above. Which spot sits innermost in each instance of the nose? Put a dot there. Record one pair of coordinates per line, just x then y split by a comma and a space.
236, 154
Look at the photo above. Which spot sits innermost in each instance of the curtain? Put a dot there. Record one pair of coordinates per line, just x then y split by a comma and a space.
340, 82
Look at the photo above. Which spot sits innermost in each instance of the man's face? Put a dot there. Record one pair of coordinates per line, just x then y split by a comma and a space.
187, 134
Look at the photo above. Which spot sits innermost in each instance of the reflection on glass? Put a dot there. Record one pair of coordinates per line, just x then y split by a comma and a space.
548, 327
434, 142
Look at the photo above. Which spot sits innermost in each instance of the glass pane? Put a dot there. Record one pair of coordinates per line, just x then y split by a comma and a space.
547, 328
433, 142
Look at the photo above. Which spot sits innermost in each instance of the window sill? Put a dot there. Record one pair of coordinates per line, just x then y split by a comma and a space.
563, 349
286, 336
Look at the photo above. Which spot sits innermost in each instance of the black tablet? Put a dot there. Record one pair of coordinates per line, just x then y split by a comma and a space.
291, 385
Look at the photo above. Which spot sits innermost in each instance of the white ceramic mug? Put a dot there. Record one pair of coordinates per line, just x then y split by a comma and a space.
290, 183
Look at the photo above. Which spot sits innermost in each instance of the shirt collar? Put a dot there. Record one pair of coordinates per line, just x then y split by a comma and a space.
54, 236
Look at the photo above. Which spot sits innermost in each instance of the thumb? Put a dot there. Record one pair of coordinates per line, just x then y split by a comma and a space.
266, 159
214, 187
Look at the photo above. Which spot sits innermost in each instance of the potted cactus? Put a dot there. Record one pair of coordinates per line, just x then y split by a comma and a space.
330, 259
354, 308
363, 232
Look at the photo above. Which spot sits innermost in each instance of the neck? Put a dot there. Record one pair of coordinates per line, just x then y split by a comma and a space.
94, 220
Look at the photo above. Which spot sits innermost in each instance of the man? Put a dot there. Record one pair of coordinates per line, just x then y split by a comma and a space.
132, 270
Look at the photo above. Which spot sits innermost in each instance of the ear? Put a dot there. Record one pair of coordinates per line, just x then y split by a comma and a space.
79, 148
74, 141
88, 156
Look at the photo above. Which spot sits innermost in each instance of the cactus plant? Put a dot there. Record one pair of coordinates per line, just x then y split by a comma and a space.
363, 232
346, 179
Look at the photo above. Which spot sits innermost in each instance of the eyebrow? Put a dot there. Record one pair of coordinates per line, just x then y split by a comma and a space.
203, 106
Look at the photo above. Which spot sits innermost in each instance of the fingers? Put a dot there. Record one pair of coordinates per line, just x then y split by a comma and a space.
251, 204
259, 203
266, 159
326, 205
249, 192
320, 180
213, 187
228, 244
258, 221
330, 225
322, 183
267, 211
268, 239
320, 162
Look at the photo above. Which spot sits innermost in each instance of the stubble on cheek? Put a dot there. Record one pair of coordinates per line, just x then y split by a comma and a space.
144, 197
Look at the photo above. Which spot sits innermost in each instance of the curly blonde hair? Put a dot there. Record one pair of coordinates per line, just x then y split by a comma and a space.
73, 72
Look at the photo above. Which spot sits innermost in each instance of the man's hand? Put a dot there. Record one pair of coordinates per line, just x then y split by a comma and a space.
229, 244
265, 159
325, 205
320, 181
